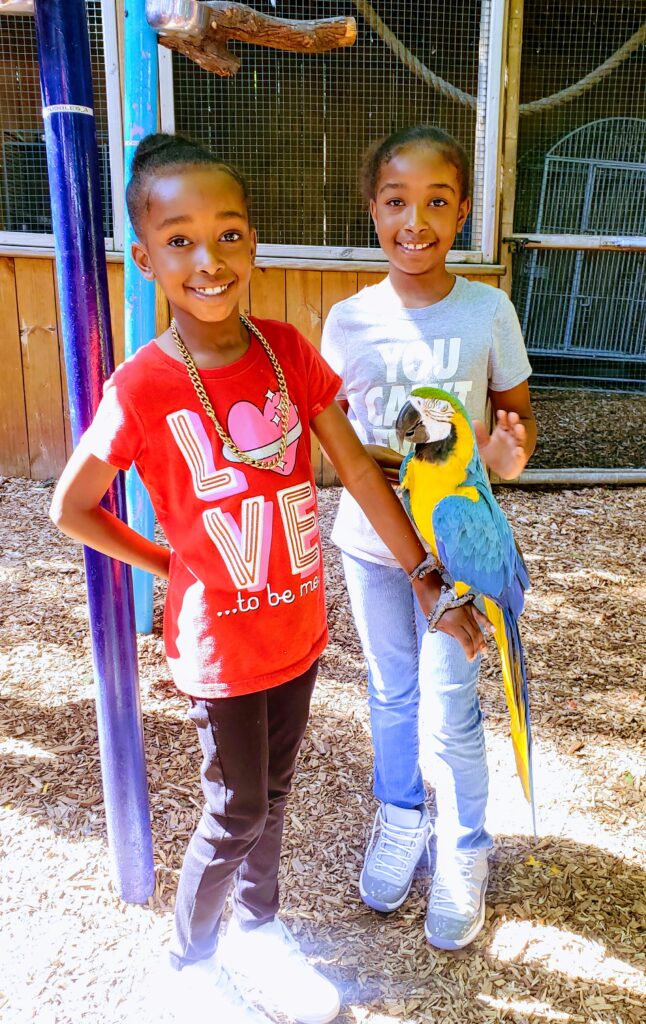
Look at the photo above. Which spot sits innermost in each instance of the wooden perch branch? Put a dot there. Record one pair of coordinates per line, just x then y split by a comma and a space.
237, 21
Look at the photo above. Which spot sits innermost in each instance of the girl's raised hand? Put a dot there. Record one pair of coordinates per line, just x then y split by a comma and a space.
504, 450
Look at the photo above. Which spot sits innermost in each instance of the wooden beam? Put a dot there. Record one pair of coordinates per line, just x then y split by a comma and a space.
591, 243
510, 142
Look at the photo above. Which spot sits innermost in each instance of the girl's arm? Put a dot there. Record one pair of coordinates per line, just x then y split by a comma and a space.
76, 510
365, 482
387, 460
509, 447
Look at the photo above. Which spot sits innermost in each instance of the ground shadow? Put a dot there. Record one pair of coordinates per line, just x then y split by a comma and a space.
580, 892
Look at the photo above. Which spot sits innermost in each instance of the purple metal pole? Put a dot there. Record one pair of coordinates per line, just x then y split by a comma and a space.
72, 161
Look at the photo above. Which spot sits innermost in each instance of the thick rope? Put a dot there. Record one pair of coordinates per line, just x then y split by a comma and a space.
410, 60
574, 91
557, 99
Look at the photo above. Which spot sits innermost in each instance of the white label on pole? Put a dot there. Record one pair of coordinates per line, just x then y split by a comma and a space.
67, 108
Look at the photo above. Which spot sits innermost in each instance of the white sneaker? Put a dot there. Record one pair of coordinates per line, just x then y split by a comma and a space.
204, 989
400, 835
268, 967
456, 909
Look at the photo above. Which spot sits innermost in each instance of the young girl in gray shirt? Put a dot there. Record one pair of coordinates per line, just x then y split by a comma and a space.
423, 326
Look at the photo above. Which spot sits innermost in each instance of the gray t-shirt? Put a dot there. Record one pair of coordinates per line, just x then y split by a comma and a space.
469, 342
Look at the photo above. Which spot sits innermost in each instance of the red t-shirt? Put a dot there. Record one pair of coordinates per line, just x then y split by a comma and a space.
245, 608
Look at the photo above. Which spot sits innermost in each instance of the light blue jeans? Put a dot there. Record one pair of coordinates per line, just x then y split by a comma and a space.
402, 656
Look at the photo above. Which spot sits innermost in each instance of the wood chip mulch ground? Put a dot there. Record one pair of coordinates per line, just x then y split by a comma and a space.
564, 936
587, 428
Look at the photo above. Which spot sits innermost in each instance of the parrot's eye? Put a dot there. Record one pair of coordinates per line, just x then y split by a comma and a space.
441, 409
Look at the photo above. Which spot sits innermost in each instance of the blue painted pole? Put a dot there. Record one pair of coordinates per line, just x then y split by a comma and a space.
139, 119
72, 162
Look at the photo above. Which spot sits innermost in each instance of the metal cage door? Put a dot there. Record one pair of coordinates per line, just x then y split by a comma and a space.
581, 303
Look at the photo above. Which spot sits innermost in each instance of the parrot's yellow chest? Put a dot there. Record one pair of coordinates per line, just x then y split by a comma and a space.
429, 482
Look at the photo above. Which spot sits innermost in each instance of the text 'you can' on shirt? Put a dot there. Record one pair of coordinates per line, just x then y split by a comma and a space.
468, 343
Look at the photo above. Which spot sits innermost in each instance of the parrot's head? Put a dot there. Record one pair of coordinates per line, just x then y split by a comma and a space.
429, 418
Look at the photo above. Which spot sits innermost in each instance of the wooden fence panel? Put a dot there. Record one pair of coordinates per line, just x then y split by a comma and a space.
67, 423
41, 366
337, 285
267, 291
493, 281
34, 427
303, 310
117, 310
370, 277
14, 439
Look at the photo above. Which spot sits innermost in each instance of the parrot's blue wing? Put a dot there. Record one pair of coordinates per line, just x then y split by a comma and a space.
476, 545
474, 540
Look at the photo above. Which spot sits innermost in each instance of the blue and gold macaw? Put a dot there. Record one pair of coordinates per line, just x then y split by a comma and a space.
447, 493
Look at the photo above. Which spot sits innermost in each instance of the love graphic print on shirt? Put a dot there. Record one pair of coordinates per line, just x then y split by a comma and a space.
423, 364
257, 432
244, 541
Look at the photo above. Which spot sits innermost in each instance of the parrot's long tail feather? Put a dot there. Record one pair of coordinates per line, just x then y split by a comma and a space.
516, 692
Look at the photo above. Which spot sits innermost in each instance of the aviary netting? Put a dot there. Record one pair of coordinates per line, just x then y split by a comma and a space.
446, 89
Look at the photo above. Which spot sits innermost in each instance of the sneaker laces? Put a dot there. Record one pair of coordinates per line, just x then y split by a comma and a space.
289, 943
395, 849
226, 981
240, 996
211, 980
458, 890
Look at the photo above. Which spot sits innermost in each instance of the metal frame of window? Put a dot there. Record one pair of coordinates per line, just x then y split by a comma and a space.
489, 128
42, 241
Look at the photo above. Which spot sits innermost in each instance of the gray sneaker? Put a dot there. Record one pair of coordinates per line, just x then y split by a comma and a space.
399, 838
456, 909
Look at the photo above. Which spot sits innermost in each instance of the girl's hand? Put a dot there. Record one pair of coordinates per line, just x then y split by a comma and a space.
466, 625
504, 450
76, 510
388, 461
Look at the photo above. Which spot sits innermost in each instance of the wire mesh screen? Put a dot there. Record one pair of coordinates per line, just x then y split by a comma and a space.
582, 171
297, 124
25, 204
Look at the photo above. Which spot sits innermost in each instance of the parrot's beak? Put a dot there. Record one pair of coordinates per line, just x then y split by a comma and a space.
409, 426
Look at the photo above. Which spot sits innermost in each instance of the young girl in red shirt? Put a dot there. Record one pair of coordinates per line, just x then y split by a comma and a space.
216, 415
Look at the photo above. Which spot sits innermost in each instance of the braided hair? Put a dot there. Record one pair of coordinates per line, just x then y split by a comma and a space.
160, 153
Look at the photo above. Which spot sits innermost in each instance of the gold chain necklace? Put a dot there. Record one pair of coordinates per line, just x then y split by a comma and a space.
283, 405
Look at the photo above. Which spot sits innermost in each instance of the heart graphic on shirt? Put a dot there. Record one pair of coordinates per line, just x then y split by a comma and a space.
257, 432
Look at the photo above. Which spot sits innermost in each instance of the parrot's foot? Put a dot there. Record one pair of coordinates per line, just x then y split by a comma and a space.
399, 838
456, 909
